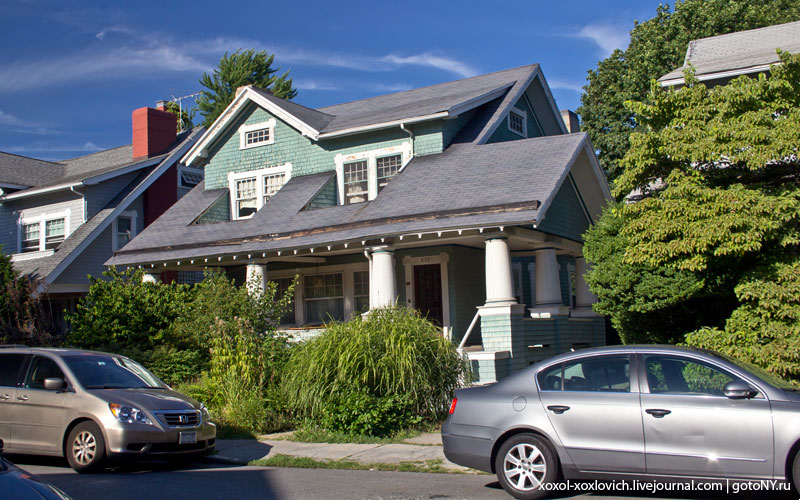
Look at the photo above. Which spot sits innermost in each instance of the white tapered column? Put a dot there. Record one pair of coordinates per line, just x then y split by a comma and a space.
382, 278
499, 284
584, 298
151, 278
548, 286
256, 278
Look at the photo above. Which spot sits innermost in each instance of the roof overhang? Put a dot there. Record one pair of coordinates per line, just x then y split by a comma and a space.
96, 179
718, 75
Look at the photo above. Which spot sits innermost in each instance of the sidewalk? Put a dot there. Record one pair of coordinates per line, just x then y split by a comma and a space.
418, 449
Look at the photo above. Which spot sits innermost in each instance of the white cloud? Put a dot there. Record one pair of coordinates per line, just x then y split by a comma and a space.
607, 37
87, 147
314, 85
557, 83
13, 124
392, 87
136, 53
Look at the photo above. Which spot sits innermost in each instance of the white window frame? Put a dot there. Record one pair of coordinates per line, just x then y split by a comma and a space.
522, 114
40, 219
233, 177
347, 271
371, 157
244, 129
132, 215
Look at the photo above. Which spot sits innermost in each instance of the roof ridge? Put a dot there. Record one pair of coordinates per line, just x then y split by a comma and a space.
97, 152
724, 35
32, 158
256, 88
429, 86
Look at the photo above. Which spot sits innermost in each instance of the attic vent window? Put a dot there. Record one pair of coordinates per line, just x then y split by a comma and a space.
518, 122
257, 134
190, 177
251, 190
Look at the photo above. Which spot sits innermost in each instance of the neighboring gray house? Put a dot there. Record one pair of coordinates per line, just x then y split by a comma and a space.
60, 221
466, 200
719, 59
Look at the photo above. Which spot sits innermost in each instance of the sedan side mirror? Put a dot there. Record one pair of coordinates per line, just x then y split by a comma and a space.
738, 389
54, 384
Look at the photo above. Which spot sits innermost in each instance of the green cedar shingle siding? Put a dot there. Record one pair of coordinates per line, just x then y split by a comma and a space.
566, 216
306, 157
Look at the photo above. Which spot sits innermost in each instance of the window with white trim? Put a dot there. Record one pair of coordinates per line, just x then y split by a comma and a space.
518, 122
43, 232
361, 176
30, 237
257, 134
251, 190
123, 229
361, 291
323, 295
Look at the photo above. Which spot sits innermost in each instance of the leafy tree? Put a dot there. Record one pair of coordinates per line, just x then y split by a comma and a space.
243, 67
25, 316
184, 117
658, 46
727, 214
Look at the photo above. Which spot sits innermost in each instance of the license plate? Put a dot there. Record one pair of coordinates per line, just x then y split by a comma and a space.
187, 437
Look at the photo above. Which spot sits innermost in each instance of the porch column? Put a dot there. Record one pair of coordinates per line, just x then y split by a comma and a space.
584, 298
151, 278
499, 284
382, 278
548, 286
256, 278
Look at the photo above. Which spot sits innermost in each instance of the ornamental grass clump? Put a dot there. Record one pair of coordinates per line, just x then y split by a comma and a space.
374, 375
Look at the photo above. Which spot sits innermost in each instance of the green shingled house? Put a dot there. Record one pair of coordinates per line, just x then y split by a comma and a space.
466, 200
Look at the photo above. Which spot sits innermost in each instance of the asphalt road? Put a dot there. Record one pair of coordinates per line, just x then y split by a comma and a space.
156, 481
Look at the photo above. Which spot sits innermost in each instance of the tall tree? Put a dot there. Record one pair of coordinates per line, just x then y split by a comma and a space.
726, 217
243, 67
658, 46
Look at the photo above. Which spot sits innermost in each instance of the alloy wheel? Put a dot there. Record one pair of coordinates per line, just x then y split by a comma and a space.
84, 448
524, 467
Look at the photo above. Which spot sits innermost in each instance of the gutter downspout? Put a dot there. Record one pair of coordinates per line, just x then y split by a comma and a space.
83, 205
411, 135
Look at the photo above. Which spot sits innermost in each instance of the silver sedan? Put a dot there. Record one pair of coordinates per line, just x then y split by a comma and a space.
628, 412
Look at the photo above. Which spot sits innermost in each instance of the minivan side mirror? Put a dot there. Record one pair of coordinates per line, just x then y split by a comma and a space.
738, 389
54, 384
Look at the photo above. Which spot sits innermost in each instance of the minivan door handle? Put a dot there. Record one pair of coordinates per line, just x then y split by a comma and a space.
22, 398
658, 413
558, 409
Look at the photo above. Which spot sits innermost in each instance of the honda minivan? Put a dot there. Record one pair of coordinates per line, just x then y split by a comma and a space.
91, 406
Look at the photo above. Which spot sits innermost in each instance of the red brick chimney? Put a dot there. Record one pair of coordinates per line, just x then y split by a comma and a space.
154, 130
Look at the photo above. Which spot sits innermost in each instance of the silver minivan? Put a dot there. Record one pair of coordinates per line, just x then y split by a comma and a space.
89, 406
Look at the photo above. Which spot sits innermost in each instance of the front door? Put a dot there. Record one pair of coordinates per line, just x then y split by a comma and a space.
428, 292
692, 429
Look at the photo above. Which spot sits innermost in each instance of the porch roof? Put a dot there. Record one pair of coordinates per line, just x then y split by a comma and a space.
467, 186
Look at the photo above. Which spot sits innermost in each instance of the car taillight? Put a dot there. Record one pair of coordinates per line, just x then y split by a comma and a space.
453, 405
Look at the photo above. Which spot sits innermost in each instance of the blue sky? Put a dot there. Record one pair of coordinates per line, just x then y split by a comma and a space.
72, 72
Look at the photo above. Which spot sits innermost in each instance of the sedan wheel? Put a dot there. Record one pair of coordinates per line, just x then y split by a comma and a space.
85, 448
524, 464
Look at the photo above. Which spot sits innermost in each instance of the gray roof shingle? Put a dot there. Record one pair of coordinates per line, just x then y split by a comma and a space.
24, 171
423, 196
739, 51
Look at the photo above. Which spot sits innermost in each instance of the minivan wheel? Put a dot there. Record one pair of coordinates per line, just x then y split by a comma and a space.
86, 448
524, 464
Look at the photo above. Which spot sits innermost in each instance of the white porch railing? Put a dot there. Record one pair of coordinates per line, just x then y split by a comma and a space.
466, 335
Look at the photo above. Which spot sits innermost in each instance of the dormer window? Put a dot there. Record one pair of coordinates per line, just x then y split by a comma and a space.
43, 232
518, 122
257, 134
251, 190
363, 175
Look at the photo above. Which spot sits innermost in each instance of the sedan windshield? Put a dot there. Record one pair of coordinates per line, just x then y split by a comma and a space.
103, 371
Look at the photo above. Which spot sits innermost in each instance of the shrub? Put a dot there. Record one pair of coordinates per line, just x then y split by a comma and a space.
376, 374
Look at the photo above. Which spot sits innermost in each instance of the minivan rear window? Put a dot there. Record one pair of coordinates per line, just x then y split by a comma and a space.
11, 365
97, 371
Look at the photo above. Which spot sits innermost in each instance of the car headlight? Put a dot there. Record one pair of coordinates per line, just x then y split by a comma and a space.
129, 414
206, 414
